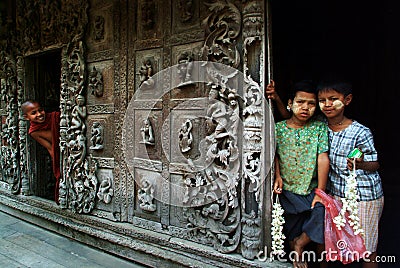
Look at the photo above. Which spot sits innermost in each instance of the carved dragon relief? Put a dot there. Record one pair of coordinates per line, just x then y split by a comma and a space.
223, 26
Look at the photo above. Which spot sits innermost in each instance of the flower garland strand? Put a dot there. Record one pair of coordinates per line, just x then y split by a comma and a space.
277, 229
350, 204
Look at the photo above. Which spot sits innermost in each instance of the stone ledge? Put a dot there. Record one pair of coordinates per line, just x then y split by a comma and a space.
122, 239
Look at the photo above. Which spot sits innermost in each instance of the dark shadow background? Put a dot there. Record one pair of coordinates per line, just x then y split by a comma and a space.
358, 40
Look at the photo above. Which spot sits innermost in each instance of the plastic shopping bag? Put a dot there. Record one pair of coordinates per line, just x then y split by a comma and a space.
340, 245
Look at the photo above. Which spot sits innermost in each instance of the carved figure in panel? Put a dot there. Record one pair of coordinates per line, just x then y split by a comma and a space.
185, 136
147, 132
78, 115
185, 68
84, 188
77, 152
145, 73
98, 28
96, 83
146, 195
148, 10
97, 136
106, 192
217, 110
186, 10
233, 112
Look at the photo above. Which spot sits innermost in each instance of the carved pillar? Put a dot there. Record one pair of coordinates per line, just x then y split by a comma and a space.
9, 133
78, 184
258, 142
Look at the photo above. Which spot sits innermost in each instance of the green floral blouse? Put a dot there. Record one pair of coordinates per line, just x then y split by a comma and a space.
298, 150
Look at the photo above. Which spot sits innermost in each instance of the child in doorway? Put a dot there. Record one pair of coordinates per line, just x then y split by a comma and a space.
346, 134
302, 164
45, 129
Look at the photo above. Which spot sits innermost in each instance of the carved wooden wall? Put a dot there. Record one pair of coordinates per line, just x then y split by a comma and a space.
110, 51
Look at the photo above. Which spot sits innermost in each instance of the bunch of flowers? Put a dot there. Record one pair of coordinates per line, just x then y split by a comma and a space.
277, 229
350, 205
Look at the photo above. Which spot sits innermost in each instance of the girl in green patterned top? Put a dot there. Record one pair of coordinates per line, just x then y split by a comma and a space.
301, 165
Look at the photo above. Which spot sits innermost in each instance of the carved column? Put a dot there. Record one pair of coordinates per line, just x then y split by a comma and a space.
257, 142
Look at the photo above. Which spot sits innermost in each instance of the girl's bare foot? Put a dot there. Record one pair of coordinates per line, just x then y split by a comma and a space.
298, 247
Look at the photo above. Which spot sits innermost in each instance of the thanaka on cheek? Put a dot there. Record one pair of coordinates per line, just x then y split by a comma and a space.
337, 104
296, 108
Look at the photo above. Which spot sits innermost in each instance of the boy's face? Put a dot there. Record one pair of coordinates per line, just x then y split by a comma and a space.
332, 102
35, 113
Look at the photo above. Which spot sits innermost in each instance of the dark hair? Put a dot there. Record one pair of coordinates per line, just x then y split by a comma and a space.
337, 82
26, 104
342, 87
307, 86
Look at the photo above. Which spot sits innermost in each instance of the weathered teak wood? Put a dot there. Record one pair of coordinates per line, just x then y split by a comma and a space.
185, 152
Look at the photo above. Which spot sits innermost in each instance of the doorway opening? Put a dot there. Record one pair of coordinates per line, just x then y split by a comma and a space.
357, 41
43, 84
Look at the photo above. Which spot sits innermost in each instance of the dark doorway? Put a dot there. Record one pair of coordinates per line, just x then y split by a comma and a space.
357, 40
43, 84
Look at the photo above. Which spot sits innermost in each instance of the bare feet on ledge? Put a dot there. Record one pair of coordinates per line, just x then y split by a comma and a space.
298, 247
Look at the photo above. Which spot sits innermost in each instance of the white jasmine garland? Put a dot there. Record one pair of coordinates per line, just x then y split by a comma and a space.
350, 205
277, 229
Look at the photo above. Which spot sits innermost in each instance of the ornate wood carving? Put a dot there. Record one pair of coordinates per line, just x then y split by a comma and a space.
97, 136
98, 28
96, 82
9, 129
254, 163
78, 185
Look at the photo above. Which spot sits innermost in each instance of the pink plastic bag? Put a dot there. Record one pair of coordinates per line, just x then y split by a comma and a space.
340, 245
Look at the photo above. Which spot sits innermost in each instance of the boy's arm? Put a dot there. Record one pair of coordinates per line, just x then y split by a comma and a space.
323, 170
44, 142
273, 95
364, 165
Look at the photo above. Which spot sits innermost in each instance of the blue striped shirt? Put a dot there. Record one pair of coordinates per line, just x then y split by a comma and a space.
369, 185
